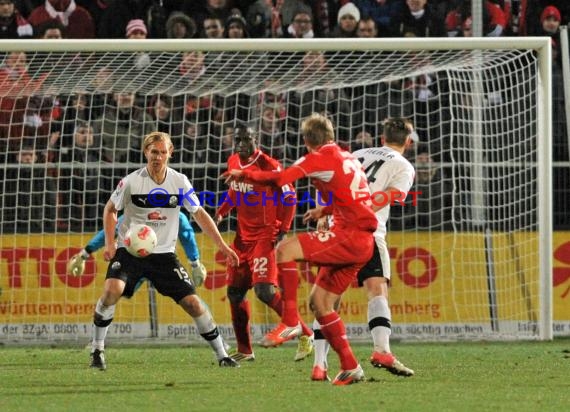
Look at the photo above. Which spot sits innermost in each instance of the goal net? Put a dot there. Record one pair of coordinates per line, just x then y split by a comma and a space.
471, 253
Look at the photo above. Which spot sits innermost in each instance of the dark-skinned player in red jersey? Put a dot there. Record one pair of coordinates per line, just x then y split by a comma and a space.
264, 216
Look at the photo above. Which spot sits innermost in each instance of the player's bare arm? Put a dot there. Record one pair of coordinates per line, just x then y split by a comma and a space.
209, 227
232, 175
379, 200
109, 224
320, 215
275, 177
313, 215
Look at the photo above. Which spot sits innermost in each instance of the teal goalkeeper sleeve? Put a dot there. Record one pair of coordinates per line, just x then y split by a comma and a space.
188, 238
185, 235
98, 241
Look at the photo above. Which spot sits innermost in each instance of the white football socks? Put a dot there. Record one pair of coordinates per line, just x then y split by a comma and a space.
378, 308
321, 347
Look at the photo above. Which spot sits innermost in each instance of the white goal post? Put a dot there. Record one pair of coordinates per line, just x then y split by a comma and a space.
471, 259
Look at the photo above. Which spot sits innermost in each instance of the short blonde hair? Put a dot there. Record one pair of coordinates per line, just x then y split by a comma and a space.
154, 137
317, 130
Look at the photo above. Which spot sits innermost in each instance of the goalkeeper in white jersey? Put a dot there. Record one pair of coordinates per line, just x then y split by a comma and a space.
153, 196
390, 177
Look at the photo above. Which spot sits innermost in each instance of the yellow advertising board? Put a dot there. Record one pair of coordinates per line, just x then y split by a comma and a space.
425, 298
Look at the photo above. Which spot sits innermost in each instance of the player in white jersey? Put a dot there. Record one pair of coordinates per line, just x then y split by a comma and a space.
153, 196
390, 177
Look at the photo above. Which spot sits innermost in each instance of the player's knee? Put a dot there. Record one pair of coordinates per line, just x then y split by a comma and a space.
100, 322
235, 295
317, 306
265, 292
192, 305
281, 254
312, 307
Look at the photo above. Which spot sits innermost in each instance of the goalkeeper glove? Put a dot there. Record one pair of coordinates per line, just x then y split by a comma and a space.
199, 273
76, 265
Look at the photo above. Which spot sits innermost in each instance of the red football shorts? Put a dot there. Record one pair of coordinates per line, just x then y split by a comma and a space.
340, 254
257, 264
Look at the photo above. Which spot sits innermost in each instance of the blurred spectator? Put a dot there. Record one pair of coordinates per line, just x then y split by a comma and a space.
434, 202
325, 16
272, 133
180, 26
260, 17
116, 16
550, 19
12, 24
155, 18
366, 28
419, 19
531, 12
200, 10
348, 18
38, 116
45, 61
213, 28
29, 201
16, 88
192, 67
494, 19
121, 129
467, 27
302, 25
289, 8
102, 81
384, 12
79, 181
236, 27
314, 67
191, 74
76, 20
224, 133
362, 140
51, 29
136, 30
96, 9
75, 108
424, 87
195, 146
498, 21
314, 94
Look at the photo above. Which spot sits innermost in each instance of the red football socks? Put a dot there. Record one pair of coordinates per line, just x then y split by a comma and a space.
289, 282
332, 328
240, 321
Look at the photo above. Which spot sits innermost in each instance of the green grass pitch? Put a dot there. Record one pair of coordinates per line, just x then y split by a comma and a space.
514, 376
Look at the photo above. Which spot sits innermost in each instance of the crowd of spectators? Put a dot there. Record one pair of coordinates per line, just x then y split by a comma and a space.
107, 126
109, 19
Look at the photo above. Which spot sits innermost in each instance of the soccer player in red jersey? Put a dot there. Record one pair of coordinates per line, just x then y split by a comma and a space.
264, 215
340, 252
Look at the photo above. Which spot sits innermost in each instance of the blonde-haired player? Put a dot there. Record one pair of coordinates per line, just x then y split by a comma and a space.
153, 195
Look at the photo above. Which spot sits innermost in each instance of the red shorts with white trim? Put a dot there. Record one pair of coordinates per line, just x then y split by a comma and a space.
340, 254
257, 264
